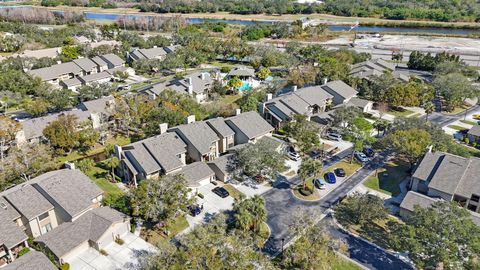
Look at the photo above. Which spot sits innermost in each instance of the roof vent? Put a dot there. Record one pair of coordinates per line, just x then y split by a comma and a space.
3, 205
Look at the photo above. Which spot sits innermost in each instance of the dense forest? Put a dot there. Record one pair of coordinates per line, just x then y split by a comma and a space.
435, 10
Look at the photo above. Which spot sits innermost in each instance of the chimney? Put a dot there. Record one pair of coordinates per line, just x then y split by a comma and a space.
155, 46
70, 165
163, 127
190, 119
59, 62
430, 147
190, 85
294, 88
118, 151
269, 96
238, 111
325, 80
203, 76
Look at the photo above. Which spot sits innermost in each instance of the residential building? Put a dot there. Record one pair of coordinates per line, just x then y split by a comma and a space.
112, 60
152, 157
100, 77
450, 177
39, 206
224, 132
473, 134
196, 85
32, 260
101, 64
365, 70
97, 111
197, 174
248, 127
341, 92
202, 142
151, 53
57, 73
243, 73
88, 66
224, 167
96, 228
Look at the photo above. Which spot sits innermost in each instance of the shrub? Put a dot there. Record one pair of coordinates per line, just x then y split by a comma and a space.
133, 227
466, 140
103, 252
200, 195
225, 69
305, 192
119, 241
23, 251
65, 266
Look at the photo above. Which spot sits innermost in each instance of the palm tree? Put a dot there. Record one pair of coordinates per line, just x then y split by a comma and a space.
259, 211
112, 163
429, 108
249, 213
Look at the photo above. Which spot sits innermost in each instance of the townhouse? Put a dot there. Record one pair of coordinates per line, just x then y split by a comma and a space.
443, 176
151, 53
311, 101
367, 69
97, 111
197, 85
191, 149
82, 71
61, 211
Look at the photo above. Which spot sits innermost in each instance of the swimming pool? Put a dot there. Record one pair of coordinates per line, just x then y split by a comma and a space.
245, 87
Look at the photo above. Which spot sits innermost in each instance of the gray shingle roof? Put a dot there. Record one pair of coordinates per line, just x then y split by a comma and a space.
218, 125
340, 88
32, 260
72, 82
152, 52
199, 135
475, 131
10, 234
156, 153
89, 227
358, 102
99, 61
101, 105
28, 201
8, 209
251, 124
224, 163
55, 71
180, 86
95, 77
112, 59
414, 198
450, 173
242, 72
196, 172
71, 189
85, 64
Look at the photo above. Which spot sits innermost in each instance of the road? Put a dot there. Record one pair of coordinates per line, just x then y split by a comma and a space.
283, 207
445, 120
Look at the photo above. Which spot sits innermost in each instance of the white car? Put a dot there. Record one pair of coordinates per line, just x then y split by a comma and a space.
293, 156
334, 136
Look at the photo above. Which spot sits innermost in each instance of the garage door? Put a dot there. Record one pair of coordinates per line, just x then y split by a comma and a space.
69, 257
118, 229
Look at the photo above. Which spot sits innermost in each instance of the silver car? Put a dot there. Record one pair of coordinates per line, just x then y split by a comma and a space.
334, 136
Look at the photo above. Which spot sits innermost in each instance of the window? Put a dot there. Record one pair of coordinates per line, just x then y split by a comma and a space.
46, 228
475, 198
472, 207
43, 216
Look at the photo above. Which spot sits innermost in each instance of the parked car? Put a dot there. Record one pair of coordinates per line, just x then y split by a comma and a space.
221, 192
340, 172
195, 210
319, 183
330, 178
360, 157
334, 136
316, 154
369, 152
293, 155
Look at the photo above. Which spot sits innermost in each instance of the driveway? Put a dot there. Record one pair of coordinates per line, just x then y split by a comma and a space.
212, 204
119, 256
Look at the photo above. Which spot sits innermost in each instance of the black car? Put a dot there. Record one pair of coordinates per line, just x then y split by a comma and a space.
221, 191
369, 152
340, 172
316, 154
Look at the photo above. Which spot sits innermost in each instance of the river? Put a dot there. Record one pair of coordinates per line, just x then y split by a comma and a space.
362, 28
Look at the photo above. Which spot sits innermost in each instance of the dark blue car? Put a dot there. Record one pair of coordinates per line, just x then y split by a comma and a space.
330, 178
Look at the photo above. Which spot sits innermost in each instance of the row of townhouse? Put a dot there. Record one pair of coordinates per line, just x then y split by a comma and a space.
191, 149
81, 71
61, 211
316, 102
97, 111
151, 53
443, 176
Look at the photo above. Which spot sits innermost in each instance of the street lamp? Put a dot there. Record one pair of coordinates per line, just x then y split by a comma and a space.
283, 242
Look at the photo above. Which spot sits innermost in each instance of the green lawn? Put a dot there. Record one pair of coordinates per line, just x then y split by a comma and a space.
98, 174
235, 193
401, 113
75, 155
309, 183
349, 168
415, 115
457, 110
376, 232
229, 99
457, 127
155, 236
468, 122
342, 264
389, 177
